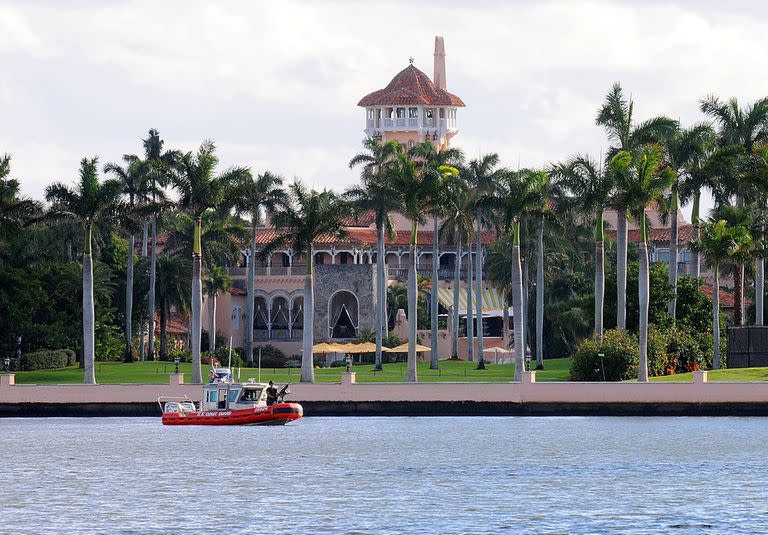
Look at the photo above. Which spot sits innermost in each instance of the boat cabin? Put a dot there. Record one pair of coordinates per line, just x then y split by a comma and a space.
220, 396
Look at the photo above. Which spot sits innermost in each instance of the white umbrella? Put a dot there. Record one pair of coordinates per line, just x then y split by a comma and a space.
496, 351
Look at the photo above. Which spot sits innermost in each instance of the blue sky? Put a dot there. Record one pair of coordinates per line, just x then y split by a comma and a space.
276, 84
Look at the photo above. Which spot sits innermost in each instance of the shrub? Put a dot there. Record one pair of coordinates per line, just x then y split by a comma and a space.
271, 357
46, 359
339, 364
619, 360
71, 357
659, 362
293, 362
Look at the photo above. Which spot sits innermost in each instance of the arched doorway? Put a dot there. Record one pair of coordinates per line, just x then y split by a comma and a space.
344, 316
279, 315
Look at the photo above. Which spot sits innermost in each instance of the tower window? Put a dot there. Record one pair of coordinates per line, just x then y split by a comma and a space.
413, 113
401, 113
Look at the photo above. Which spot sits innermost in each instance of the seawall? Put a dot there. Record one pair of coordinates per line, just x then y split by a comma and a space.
348, 398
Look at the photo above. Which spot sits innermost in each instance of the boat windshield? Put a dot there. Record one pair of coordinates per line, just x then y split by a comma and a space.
251, 394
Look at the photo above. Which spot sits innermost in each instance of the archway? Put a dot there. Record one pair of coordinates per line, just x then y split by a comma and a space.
344, 316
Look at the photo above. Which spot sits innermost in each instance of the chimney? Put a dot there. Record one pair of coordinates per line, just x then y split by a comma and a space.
439, 77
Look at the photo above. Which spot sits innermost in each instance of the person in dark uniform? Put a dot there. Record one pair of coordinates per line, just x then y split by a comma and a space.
271, 394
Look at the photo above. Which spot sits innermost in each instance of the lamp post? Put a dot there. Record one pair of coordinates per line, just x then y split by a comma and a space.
176, 363
602, 364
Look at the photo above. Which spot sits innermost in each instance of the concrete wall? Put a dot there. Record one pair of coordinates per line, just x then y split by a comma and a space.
356, 278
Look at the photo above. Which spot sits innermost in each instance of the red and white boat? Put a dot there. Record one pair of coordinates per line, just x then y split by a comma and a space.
228, 403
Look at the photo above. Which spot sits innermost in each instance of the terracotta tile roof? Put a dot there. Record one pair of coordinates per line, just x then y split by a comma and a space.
727, 298
411, 87
660, 234
366, 219
175, 325
234, 290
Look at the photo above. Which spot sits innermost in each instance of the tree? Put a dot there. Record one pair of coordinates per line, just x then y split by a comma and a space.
641, 181
685, 151
375, 194
719, 243
307, 216
136, 188
616, 117
15, 211
591, 187
254, 196
418, 187
200, 190
89, 202
483, 176
217, 282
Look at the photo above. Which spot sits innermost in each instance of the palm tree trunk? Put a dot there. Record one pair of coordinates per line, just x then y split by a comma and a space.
89, 315
470, 313
197, 303
479, 292
540, 299
505, 319
456, 293
517, 305
307, 362
163, 329
599, 277
696, 259
759, 289
144, 239
129, 302
738, 295
151, 299
672, 306
433, 296
381, 290
212, 323
716, 317
643, 289
251, 269
411, 376
621, 270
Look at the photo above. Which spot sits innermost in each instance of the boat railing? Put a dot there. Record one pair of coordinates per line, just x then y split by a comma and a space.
164, 399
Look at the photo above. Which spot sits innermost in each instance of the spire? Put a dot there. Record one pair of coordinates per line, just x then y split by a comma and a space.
439, 77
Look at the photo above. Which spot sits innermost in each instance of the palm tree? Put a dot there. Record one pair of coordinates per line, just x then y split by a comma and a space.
458, 227
221, 238
740, 130
483, 175
217, 282
418, 187
718, 243
685, 151
435, 158
257, 195
375, 194
641, 181
91, 203
135, 187
15, 211
200, 190
616, 117
306, 217
591, 188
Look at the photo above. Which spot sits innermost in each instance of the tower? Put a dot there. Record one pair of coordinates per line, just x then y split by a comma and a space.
412, 108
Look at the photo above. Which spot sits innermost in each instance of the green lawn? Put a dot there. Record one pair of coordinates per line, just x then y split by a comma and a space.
735, 374
157, 372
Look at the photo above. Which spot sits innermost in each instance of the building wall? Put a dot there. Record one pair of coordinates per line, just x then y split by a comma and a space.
356, 278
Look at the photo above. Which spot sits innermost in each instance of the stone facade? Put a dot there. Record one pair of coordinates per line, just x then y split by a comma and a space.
359, 280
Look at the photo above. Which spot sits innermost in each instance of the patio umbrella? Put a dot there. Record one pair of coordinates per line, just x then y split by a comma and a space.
403, 348
497, 351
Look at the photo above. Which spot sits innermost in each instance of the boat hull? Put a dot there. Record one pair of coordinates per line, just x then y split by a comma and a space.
277, 414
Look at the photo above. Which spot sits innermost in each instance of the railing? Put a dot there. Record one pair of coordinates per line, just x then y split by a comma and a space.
389, 123
279, 270
369, 123
237, 272
413, 122
401, 273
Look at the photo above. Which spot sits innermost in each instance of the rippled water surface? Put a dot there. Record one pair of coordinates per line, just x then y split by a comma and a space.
386, 475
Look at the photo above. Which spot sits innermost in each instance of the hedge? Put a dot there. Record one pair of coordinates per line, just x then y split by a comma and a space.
47, 359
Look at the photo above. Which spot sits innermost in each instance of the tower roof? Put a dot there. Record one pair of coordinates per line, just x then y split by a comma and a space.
411, 87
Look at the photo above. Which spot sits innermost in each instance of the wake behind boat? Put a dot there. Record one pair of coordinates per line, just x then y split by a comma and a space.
226, 402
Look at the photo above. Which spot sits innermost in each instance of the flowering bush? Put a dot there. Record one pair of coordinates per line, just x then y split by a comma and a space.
619, 361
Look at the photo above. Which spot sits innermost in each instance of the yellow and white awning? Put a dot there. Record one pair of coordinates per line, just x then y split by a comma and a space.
492, 301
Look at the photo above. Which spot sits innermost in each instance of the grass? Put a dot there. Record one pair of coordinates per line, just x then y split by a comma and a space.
157, 372
733, 375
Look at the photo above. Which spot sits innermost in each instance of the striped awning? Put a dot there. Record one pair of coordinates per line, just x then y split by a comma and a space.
492, 301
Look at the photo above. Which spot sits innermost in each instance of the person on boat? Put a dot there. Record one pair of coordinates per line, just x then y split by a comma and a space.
271, 394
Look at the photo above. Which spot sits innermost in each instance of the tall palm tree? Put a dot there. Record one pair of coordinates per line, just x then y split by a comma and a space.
136, 188
591, 188
719, 243
158, 165
375, 194
616, 117
89, 202
15, 211
685, 151
641, 181
220, 239
740, 130
307, 216
483, 175
418, 187
216, 283
200, 190
435, 158
256, 196
458, 228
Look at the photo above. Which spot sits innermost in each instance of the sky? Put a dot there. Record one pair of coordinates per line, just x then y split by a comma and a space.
276, 84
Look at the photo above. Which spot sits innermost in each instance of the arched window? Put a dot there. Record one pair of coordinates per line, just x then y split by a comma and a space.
260, 317
279, 314
297, 317
344, 316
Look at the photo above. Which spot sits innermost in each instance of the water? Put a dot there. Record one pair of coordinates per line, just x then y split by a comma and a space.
386, 475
